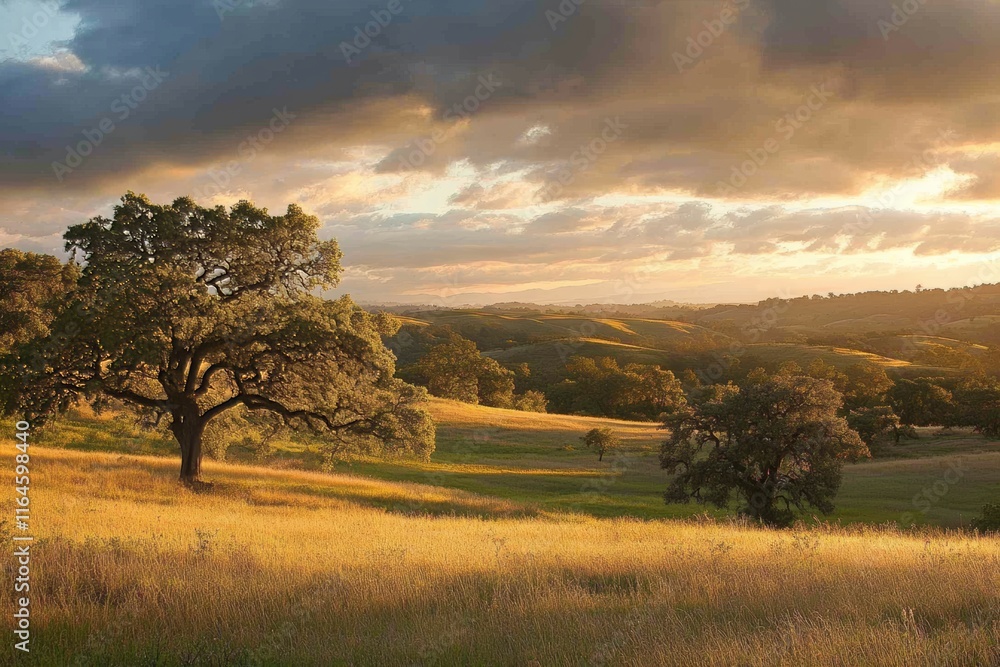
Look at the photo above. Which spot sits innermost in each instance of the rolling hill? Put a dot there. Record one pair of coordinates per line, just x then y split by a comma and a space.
797, 330
496, 330
548, 360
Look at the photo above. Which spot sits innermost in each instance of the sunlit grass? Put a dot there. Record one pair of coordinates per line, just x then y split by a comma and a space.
537, 463
301, 568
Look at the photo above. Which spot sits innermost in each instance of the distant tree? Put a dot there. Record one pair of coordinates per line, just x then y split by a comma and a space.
978, 405
821, 370
591, 388
194, 312
875, 425
455, 369
521, 370
531, 401
790, 368
450, 370
945, 356
921, 402
496, 384
602, 441
649, 393
690, 380
600, 387
867, 386
989, 520
775, 441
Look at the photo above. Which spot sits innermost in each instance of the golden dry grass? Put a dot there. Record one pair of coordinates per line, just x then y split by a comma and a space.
281, 567
457, 414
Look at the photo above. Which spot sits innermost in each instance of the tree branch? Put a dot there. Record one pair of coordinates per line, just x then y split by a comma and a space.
128, 395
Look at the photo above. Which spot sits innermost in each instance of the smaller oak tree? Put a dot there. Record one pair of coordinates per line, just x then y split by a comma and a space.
775, 441
455, 369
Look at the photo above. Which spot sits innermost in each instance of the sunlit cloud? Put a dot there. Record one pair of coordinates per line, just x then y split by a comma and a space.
852, 161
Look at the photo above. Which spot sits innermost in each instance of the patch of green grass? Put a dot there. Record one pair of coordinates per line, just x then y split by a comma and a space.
105, 433
537, 462
938, 490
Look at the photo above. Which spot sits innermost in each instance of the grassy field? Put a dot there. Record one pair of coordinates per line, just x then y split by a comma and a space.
537, 463
280, 567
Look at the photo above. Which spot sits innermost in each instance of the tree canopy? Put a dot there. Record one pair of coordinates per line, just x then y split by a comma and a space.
195, 311
776, 441
452, 367
601, 387
922, 401
977, 405
33, 287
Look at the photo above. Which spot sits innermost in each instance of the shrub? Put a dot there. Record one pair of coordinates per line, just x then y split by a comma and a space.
989, 520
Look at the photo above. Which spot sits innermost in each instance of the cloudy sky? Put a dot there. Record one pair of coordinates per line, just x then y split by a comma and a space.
473, 151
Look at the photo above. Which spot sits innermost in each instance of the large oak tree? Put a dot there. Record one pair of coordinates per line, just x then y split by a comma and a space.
32, 289
195, 311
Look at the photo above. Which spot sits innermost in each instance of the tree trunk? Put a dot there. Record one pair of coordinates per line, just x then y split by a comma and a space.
188, 428
191, 459
600, 456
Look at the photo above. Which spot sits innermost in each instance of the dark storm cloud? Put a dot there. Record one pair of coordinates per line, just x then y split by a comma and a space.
226, 75
881, 38
686, 130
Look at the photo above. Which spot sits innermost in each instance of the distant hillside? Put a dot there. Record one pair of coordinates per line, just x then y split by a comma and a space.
803, 355
547, 360
492, 330
931, 332
969, 314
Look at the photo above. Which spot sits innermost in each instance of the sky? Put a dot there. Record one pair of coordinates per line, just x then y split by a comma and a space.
474, 151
